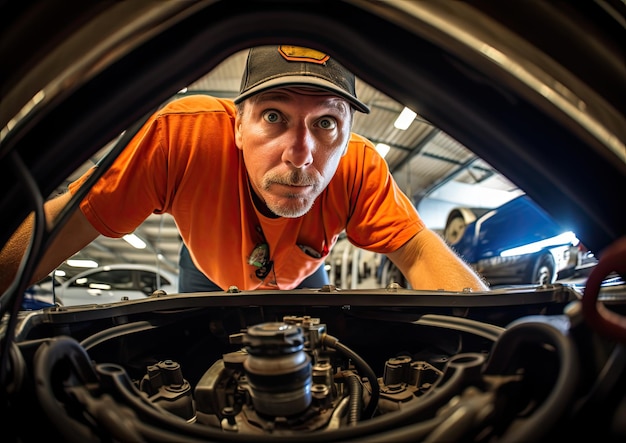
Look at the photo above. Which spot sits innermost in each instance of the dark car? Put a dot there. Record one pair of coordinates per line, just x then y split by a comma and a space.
536, 89
516, 243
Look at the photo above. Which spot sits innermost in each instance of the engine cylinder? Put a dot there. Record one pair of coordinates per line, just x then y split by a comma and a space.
278, 369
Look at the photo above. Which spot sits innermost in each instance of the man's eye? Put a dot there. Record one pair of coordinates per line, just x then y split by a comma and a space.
271, 116
328, 123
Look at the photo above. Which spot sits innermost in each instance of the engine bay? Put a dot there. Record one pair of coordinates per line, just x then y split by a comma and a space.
310, 366
510, 81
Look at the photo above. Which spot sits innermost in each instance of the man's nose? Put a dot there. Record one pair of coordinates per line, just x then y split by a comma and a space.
299, 150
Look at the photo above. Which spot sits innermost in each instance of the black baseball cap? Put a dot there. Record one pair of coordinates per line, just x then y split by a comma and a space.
270, 67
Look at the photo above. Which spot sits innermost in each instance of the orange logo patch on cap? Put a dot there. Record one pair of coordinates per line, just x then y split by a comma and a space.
300, 54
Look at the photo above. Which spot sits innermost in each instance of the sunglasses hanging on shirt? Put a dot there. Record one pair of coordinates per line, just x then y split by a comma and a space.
260, 257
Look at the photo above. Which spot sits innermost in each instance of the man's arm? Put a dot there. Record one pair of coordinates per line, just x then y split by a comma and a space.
428, 263
72, 237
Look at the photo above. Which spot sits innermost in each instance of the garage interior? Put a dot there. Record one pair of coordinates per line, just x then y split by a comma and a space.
437, 172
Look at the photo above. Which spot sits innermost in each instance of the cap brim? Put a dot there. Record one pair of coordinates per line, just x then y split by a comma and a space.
303, 80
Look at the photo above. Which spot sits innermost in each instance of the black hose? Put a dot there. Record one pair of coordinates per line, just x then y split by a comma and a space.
363, 367
12, 297
356, 399
565, 385
48, 358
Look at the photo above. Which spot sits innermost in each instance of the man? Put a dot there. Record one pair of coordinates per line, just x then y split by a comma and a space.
262, 186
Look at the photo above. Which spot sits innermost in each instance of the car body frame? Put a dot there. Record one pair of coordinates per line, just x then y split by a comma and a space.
529, 364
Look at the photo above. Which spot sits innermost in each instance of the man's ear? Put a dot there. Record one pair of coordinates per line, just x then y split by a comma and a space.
238, 135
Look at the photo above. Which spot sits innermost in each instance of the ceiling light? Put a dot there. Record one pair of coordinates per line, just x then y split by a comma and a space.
135, 241
405, 119
383, 149
77, 263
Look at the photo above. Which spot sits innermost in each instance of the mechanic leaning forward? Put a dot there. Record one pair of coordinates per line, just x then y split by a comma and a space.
260, 187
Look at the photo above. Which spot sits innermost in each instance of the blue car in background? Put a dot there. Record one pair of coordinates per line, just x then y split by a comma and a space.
516, 243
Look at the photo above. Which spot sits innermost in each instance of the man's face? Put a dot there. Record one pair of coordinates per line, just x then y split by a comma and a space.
292, 140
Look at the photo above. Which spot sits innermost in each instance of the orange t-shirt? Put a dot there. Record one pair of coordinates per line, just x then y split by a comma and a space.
184, 161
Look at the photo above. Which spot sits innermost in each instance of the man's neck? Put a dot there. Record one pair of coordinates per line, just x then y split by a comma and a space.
260, 204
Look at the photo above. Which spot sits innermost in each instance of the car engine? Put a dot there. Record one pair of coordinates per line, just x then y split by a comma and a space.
289, 376
310, 366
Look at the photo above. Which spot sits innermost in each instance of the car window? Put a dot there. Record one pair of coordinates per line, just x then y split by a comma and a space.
439, 177
106, 280
527, 225
439, 159
438, 173
150, 281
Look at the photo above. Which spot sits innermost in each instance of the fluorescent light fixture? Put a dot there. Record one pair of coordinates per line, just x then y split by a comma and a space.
383, 149
135, 241
77, 263
560, 240
405, 119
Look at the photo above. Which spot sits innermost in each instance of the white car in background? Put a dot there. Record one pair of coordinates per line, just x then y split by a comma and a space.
114, 283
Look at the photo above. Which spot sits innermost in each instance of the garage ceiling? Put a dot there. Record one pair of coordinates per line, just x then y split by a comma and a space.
435, 170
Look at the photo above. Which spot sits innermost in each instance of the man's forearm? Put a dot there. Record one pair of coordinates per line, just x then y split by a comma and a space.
72, 237
428, 263
12, 253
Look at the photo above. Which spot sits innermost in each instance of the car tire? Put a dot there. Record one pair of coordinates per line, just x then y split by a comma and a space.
543, 271
457, 222
454, 230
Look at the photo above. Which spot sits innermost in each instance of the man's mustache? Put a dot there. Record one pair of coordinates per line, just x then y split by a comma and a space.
294, 178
